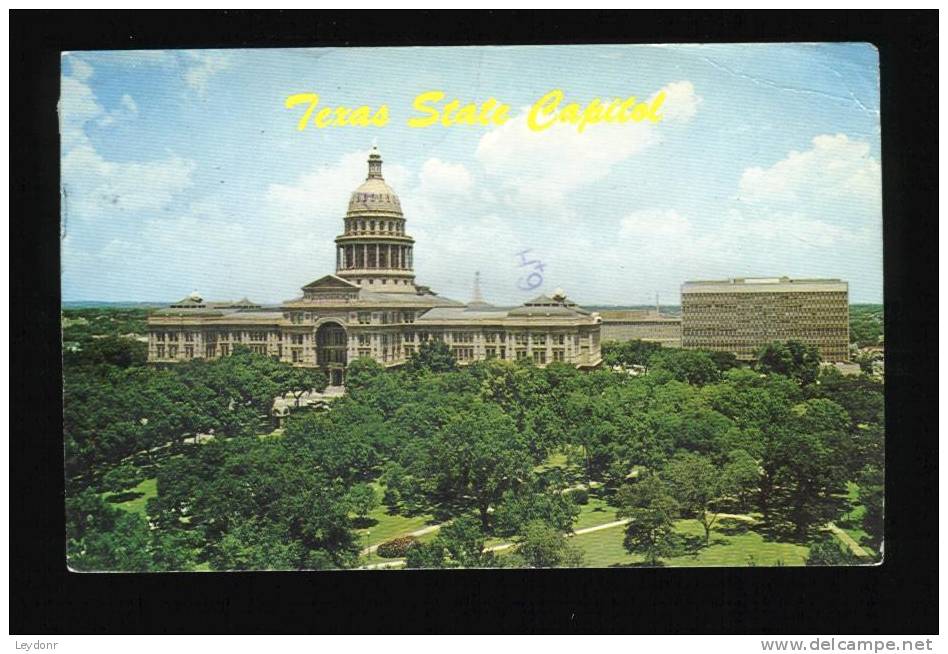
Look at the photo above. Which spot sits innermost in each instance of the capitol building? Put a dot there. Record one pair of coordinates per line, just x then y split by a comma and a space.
373, 307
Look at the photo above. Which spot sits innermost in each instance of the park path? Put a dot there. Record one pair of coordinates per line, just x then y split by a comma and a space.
371, 549
848, 540
418, 532
397, 563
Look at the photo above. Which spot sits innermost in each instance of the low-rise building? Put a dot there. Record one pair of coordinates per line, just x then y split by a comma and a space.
641, 324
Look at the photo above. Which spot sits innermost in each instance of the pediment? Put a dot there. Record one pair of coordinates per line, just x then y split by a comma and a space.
330, 282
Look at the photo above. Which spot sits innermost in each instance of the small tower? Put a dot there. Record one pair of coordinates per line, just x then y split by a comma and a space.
375, 163
477, 298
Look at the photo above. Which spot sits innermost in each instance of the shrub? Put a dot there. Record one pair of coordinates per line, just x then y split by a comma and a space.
580, 495
396, 548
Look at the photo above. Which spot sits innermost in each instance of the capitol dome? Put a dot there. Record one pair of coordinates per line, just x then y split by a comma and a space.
374, 252
374, 196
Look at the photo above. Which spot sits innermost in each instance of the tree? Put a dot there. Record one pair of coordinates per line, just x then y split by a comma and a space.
111, 350
866, 359
361, 373
690, 366
253, 544
811, 464
433, 356
872, 497
531, 504
459, 544
652, 512
100, 537
543, 546
300, 380
426, 556
741, 476
791, 359
724, 361
629, 353
246, 496
362, 499
698, 486
827, 551
474, 459
122, 478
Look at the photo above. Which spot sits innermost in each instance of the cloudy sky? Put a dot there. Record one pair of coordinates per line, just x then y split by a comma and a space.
182, 170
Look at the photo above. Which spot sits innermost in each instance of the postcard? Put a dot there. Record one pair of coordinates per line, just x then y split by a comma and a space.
398, 308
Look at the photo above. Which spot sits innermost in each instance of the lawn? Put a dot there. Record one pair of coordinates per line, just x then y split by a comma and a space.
383, 526
595, 512
138, 496
732, 544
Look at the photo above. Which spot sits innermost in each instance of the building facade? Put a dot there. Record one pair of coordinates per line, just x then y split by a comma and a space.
741, 315
643, 325
372, 307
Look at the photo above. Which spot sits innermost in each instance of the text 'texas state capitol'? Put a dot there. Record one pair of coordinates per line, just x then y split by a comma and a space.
372, 307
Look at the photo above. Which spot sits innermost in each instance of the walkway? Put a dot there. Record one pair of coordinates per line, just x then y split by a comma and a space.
848, 540
398, 563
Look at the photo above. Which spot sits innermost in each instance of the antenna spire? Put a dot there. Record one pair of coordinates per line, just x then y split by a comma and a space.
477, 288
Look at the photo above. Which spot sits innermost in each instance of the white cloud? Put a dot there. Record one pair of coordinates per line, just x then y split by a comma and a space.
681, 102
81, 70
201, 66
666, 223
77, 107
105, 190
836, 169
318, 199
442, 178
544, 168
128, 104
96, 189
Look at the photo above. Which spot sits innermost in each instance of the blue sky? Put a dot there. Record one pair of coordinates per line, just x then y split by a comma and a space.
182, 170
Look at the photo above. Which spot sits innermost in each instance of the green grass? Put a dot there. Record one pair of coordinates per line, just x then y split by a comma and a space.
386, 527
851, 522
373, 558
145, 491
596, 512
555, 460
604, 549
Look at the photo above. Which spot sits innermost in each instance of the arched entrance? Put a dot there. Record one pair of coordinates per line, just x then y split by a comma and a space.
331, 344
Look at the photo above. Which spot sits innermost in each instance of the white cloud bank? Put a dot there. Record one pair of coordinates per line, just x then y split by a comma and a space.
544, 168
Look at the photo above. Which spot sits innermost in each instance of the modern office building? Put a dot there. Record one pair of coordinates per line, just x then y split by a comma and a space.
741, 315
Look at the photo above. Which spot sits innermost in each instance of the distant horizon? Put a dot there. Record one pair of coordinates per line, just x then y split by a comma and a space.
149, 303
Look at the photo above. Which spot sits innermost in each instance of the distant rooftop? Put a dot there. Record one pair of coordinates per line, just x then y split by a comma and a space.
764, 284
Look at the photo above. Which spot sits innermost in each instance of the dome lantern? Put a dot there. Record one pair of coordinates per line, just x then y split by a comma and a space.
375, 164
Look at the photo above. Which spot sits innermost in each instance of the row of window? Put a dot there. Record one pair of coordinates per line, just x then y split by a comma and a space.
339, 356
354, 226
386, 317
521, 338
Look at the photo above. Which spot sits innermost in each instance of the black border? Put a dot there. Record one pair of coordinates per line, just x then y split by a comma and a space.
898, 597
